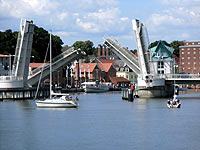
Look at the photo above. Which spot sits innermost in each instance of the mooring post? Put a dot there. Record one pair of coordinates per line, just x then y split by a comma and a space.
130, 94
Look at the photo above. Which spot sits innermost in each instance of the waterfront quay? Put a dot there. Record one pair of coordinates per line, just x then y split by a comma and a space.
30, 93
23, 94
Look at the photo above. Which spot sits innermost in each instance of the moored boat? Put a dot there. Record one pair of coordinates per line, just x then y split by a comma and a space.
94, 87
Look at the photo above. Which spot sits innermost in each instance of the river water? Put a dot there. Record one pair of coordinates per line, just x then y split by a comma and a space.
102, 122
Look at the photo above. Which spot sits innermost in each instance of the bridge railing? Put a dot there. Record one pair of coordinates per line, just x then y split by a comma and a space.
173, 76
124, 53
181, 76
46, 65
6, 78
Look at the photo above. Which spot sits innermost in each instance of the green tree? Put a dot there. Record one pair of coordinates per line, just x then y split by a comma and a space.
8, 41
175, 45
41, 43
87, 47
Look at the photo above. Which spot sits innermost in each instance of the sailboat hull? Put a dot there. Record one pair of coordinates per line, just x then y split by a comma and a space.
50, 104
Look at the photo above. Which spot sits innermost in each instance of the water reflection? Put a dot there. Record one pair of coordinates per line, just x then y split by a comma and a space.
141, 103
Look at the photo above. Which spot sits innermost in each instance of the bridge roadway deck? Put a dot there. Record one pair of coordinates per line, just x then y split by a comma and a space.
182, 78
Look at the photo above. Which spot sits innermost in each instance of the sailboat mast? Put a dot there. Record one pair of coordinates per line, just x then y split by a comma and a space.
50, 64
174, 75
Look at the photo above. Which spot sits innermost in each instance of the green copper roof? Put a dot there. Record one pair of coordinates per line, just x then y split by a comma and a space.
161, 51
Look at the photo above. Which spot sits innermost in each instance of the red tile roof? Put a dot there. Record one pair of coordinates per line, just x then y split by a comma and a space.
86, 66
107, 61
105, 66
36, 65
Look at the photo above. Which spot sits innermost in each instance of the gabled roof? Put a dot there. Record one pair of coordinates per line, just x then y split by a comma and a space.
86, 66
107, 61
105, 66
91, 66
160, 48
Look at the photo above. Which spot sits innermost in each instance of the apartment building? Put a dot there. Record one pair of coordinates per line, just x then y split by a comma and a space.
190, 57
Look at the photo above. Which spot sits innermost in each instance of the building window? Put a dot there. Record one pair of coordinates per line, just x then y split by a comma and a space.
188, 58
188, 52
188, 49
188, 68
186, 43
182, 52
194, 48
194, 52
183, 49
160, 64
127, 76
192, 43
188, 63
182, 63
194, 62
194, 58
183, 57
161, 72
131, 76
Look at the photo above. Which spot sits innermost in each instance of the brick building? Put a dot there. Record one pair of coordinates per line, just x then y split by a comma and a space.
106, 53
190, 57
94, 71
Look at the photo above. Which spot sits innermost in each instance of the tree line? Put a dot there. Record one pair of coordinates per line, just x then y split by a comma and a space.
8, 40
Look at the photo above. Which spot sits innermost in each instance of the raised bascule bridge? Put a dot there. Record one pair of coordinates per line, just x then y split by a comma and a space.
19, 84
149, 82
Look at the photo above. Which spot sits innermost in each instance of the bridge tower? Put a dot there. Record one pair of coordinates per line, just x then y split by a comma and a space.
23, 50
18, 78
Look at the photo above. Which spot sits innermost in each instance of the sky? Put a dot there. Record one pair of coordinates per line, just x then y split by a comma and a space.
82, 20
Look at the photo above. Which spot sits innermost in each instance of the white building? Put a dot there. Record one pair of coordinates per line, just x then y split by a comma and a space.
161, 58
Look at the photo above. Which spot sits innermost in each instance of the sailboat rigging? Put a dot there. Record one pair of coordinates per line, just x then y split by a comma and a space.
56, 100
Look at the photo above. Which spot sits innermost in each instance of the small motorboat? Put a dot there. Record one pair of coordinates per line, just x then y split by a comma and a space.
174, 102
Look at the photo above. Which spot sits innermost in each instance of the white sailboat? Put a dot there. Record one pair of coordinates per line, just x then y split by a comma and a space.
56, 100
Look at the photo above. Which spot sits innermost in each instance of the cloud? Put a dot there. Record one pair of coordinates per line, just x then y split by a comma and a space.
166, 19
26, 8
63, 15
102, 20
178, 21
180, 2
